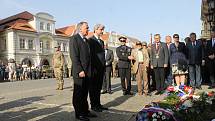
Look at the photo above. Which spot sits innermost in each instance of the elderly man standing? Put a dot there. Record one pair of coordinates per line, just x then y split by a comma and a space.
159, 61
195, 58
58, 62
141, 62
81, 71
168, 71
109, 57
210, 56
97, 53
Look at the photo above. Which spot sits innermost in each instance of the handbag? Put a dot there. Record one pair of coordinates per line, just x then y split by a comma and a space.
182, 64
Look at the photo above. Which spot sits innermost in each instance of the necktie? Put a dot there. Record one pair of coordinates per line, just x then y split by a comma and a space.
85, 39
157, 46
193, 44
105, 53
213, 42
100, 41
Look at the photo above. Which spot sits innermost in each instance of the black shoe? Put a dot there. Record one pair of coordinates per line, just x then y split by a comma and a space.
91, 115
124, 93
82, 118
211, 87
147, 94
130, 93
200, 88
157, 93
103, 92
96, 109
110, 92
103, 108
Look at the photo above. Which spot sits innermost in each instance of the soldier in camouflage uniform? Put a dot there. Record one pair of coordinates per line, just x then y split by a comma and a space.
58, 62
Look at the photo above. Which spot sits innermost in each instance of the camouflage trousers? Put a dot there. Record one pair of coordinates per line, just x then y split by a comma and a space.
58, 73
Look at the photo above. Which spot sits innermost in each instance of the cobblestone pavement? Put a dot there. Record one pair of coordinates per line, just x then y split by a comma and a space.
37, 100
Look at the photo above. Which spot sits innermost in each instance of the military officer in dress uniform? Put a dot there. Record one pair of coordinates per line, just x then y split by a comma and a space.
124, 65
58, 62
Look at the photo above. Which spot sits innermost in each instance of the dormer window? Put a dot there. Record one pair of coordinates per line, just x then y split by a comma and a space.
41, 26
48, 27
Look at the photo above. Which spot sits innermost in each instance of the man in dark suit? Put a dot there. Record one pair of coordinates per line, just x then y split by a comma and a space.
109, 57
124, 65
210, 56
195, 58
81, 71
159, 61
98, 67
168, 71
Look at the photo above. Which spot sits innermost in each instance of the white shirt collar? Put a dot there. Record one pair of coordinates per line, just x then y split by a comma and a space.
81, 35
96, 36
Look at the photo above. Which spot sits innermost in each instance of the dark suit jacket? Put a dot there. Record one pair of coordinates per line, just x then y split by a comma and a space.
194, 54
209, 50
123, 52
109, 57
177, 53
80, 56
97, 55
163, 55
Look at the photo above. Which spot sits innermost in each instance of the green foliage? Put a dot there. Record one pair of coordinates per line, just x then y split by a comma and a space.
202, 109
170, 102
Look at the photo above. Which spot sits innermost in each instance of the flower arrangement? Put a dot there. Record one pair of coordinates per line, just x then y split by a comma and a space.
155, 114
180, 104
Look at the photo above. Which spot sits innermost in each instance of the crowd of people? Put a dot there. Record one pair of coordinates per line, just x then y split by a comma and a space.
17, 72
154, 67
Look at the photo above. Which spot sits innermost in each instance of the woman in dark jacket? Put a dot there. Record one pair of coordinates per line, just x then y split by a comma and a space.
178, 60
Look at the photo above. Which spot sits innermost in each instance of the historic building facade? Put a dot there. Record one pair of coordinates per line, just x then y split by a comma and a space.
208, 18
30, 39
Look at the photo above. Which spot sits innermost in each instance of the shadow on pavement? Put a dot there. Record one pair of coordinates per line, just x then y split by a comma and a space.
117, 87
21, 102
118, 101
27, 109
23, 110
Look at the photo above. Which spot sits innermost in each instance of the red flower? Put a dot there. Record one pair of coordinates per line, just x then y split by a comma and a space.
210, 94
170, 88
187, 88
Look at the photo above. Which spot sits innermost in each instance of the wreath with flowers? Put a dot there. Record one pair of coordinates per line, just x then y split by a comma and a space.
180, 104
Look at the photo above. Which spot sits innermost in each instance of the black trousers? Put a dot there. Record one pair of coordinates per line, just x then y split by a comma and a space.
107, 79
125, 73
212, 72
80, 94
151, 78
159, 78
95, 88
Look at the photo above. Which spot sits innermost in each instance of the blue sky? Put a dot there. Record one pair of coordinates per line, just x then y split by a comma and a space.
136, 18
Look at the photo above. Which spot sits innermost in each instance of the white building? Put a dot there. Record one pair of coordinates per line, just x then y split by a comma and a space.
30, 39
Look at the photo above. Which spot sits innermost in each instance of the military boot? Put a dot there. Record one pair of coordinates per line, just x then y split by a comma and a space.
58, 87
61, 87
